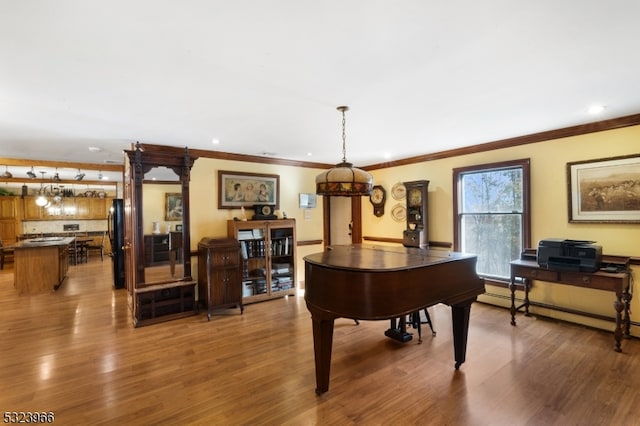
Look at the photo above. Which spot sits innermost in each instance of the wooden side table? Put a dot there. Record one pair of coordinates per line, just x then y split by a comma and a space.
618, 282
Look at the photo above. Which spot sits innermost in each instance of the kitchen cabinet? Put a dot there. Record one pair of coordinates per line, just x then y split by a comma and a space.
7, 207
267, 249
91, 208
8, 219
219, 274
70, 208
30, 210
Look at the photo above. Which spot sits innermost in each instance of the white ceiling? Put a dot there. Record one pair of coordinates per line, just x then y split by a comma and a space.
265, 77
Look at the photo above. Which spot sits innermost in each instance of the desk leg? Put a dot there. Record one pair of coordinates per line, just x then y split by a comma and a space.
527, 285
460, 319
619, 306
512, 287
322, 342
626, 298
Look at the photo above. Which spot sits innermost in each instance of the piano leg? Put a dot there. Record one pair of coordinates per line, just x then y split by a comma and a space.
322, 342
460, 319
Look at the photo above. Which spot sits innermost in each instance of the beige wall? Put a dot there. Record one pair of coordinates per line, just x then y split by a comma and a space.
209, 221
549, 210
153, 210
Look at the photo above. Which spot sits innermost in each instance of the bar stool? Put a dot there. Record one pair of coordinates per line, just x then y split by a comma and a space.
77, 251
5, 252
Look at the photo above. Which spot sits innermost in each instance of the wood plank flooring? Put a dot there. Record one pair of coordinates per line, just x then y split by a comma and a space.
75, 353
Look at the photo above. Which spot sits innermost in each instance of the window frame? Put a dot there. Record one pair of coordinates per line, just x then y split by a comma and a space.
526, 202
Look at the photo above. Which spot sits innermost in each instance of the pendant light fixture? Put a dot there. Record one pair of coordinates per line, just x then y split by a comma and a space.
344, 179
42, 199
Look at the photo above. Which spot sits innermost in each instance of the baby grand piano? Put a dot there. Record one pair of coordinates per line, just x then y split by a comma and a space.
366, 282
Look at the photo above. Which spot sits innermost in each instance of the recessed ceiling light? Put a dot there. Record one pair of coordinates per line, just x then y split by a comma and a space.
215, 141
95, 149
596, 109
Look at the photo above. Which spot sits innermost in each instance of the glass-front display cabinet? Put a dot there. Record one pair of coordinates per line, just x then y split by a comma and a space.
268, 257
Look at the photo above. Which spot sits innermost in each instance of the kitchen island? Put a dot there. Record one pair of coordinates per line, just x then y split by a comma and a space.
40, 264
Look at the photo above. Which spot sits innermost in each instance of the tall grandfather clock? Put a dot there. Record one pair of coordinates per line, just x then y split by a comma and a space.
416, 234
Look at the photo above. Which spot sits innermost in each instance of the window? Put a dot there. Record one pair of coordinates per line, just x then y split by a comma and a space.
492, 217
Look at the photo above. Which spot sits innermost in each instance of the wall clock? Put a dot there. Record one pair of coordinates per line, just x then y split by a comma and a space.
378, 197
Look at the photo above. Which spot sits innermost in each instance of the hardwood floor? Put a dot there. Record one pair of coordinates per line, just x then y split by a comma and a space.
75, 353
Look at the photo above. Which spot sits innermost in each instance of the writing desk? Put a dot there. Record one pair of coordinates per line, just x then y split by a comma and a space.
619, 282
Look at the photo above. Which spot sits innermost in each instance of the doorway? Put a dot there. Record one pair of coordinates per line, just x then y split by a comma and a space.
342, 220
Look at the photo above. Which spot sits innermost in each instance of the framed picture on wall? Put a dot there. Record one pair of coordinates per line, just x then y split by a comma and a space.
173, 206
238, 189
605, 190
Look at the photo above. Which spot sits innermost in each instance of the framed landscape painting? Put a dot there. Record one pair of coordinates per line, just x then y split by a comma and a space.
237, 189
605, 190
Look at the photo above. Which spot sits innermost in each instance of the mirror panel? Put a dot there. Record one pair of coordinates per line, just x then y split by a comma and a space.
161, 223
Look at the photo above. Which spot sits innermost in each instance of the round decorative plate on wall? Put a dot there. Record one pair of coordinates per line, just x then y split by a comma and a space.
398, 191
399, 212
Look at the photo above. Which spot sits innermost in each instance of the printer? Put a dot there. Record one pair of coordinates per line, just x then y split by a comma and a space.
569, 255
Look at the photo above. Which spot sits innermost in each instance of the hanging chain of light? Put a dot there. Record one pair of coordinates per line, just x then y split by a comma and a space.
344, 180
344, 133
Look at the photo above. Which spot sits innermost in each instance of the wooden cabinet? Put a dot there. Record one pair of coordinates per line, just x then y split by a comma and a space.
267, 249
30, 210
7, 207
99, 207
69, 208
82, 208
91, 208
8, 219
156, 249
219, 274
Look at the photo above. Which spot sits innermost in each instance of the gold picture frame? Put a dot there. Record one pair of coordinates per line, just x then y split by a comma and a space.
241, 189
173, 207
605, 190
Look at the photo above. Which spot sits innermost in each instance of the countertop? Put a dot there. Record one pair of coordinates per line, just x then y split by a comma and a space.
42, 242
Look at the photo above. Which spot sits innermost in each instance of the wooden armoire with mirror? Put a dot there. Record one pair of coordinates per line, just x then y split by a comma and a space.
156, 204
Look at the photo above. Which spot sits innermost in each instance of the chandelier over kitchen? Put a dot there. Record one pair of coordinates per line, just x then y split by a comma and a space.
344, 179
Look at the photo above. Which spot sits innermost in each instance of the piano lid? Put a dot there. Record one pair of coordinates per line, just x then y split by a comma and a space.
381, 258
